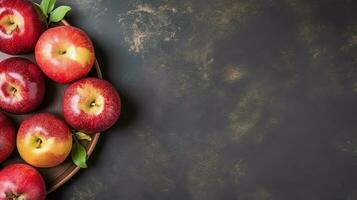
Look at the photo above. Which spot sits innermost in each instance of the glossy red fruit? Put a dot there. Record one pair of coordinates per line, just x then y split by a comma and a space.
65, 54
21, 182
21, 24
7, 137
22, 85
91, 105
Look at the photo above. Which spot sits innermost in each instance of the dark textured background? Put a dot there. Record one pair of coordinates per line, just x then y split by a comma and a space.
224, 99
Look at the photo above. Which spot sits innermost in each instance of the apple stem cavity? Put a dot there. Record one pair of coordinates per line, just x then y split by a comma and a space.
51, 13
11, 27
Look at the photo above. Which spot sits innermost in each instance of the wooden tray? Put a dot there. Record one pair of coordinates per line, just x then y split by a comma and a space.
56, 176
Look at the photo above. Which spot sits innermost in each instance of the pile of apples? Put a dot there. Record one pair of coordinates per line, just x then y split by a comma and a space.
64, 54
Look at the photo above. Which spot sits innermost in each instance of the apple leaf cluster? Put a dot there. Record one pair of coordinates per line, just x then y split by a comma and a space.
51, 13
79, 154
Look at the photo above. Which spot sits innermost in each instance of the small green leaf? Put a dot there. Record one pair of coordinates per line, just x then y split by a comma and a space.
43, 12
79, 154
44, 6
51, 6
58, 13
83, 136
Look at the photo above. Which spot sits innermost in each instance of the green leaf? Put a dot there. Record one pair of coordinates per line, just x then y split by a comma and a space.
83, 136
51, 6
44, 6
79, 154
58, 14
47, 6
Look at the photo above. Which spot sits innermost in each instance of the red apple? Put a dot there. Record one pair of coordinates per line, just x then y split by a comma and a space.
21, 24
21, 182
64, 53
22, 85
44, 140
7, 137
91, 105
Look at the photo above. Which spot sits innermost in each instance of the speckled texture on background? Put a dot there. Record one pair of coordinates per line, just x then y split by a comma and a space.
224, 99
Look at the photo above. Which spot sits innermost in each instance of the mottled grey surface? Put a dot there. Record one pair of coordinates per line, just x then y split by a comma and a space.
224, 99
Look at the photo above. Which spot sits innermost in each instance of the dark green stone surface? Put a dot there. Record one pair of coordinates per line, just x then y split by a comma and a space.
224, 99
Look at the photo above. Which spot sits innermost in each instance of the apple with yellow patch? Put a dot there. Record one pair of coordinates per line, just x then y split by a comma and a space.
65, 53
44, 140
91, 105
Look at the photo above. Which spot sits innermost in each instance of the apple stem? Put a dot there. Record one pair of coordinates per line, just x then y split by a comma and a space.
62, 52
13, 196
14, 90
38, 143
93, 104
